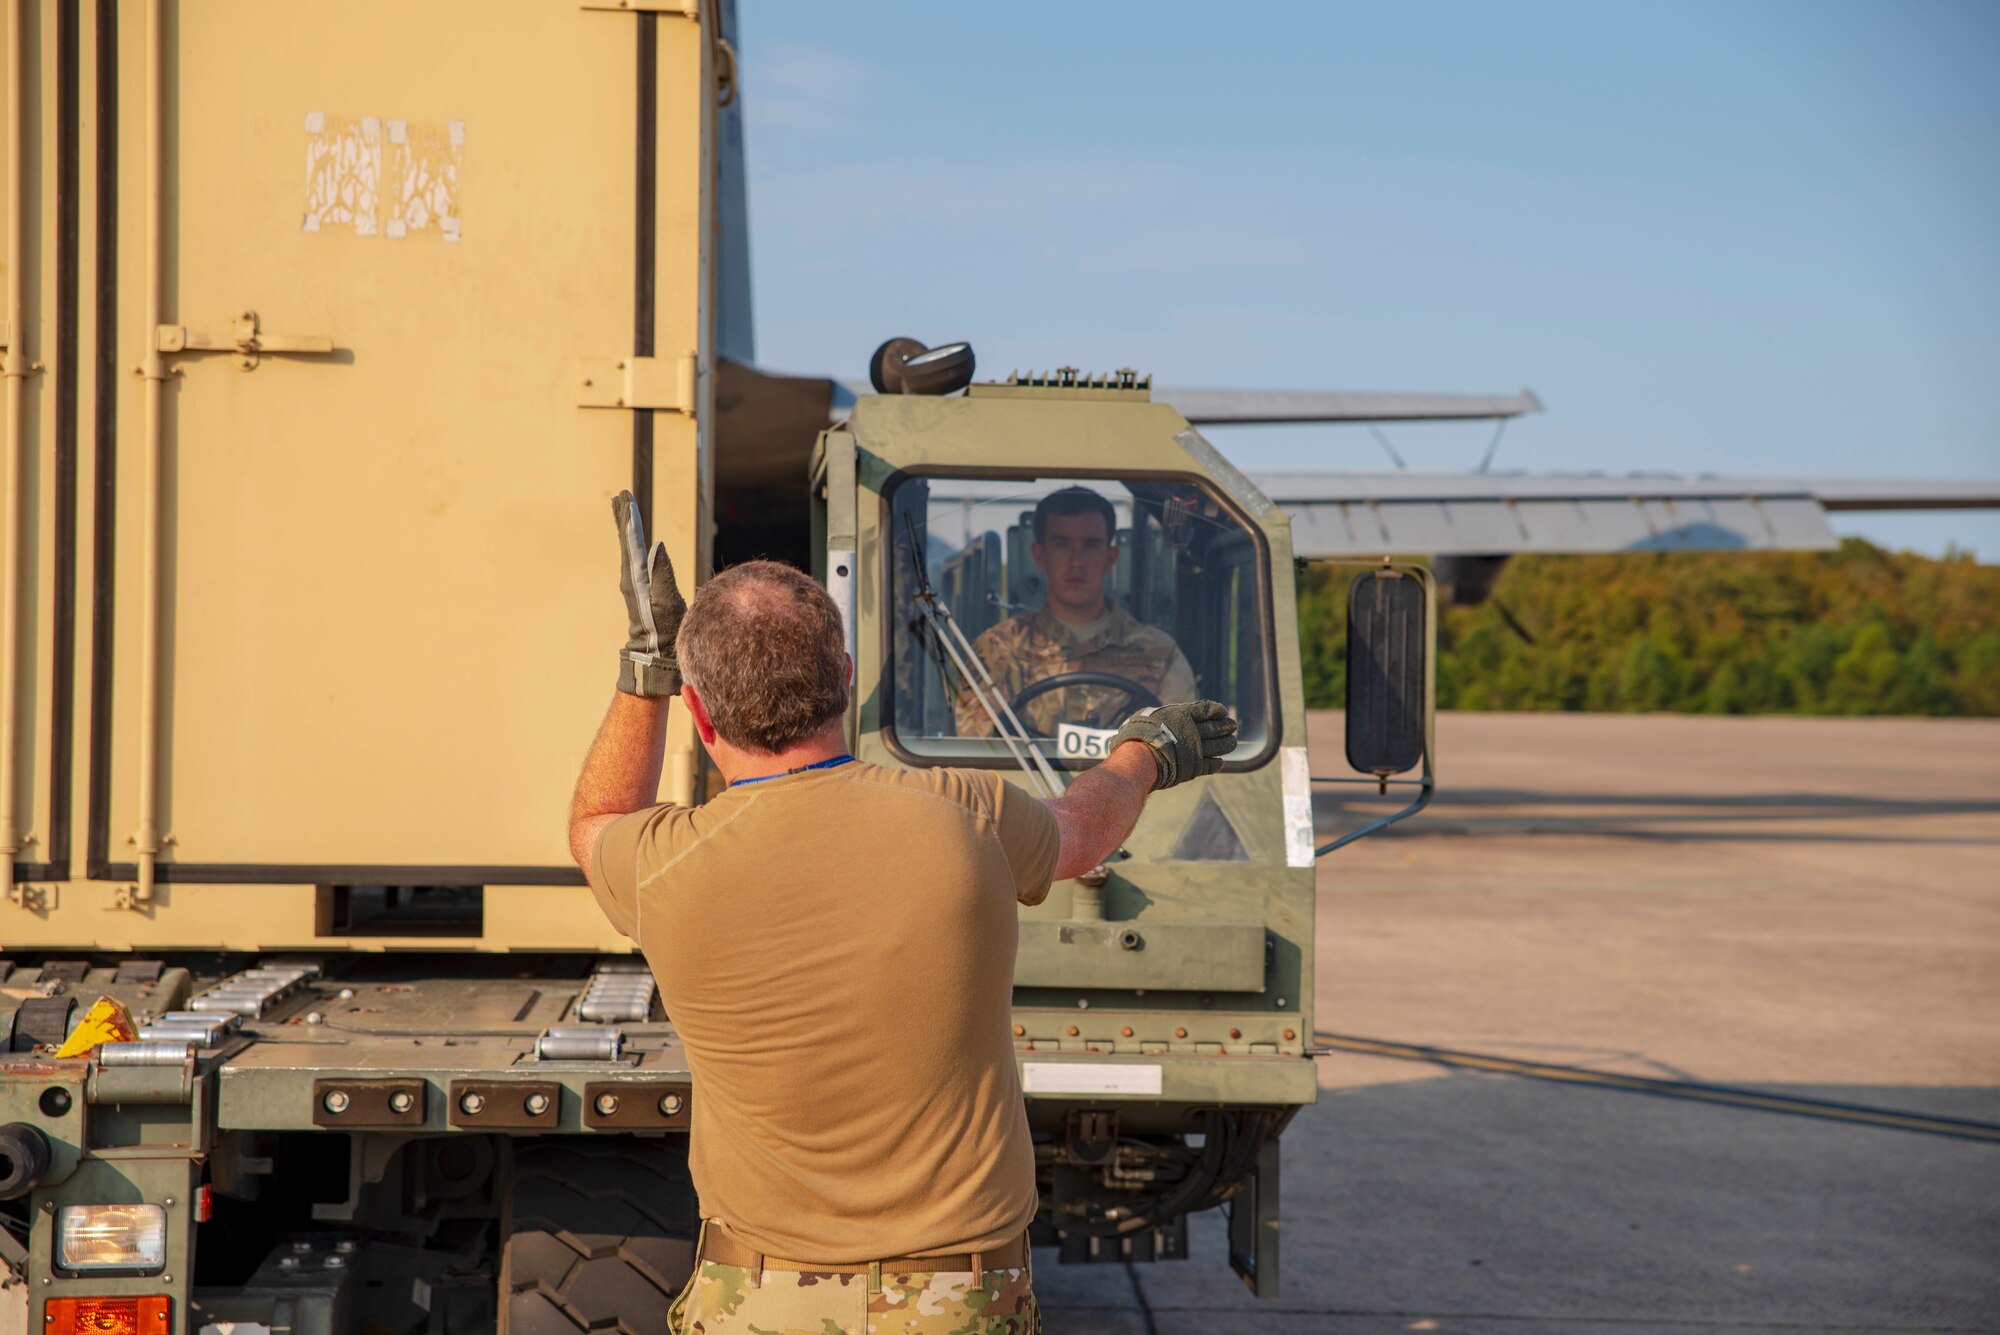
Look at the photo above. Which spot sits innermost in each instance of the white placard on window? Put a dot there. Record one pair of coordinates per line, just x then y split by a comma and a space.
1079, 743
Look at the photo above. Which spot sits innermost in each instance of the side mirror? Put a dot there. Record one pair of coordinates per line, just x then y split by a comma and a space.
1388, 692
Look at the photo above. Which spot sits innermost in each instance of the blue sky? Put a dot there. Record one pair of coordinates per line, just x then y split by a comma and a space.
1755, 237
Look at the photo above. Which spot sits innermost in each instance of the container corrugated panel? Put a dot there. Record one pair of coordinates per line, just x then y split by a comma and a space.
360, 474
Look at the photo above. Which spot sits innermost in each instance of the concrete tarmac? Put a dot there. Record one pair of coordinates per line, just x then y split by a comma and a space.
1807, 907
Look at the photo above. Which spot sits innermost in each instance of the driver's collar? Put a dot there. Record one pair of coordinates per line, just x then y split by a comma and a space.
1114, 626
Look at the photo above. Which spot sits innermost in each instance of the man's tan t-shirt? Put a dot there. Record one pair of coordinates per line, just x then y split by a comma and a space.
836, 950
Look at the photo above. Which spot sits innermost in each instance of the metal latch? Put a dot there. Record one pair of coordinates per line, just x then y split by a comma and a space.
244, 339
687, 9
665, 384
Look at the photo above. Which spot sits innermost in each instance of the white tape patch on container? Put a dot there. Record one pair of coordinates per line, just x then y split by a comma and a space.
390, 177
1298, 806
1089, 1078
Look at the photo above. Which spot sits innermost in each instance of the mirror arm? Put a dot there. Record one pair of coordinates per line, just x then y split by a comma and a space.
1423, 800
1373, 783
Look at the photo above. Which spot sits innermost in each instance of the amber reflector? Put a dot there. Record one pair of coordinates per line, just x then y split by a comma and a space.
107, 1316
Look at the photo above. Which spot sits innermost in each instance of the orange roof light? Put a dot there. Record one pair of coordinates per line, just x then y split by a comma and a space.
108, 1316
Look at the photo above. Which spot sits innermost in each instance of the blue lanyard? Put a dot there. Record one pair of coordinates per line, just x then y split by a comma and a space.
817, 764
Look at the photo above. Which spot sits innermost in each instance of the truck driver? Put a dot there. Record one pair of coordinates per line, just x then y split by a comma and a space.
1078, 628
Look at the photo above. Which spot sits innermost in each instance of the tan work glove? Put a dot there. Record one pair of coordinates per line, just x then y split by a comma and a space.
653, 606
1187, 740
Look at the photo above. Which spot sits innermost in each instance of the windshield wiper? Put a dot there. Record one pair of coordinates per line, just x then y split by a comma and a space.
972, 673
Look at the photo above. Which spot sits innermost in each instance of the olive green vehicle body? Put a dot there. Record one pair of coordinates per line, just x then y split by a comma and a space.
308, 632
1228, 945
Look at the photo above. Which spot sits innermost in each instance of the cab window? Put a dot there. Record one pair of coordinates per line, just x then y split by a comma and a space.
1084, 599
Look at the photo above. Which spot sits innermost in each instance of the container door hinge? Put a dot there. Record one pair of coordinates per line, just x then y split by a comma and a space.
663, 384
13, 363
34, 898
687, 9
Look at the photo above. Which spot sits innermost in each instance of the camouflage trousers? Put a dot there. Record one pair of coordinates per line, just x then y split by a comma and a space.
885, 1302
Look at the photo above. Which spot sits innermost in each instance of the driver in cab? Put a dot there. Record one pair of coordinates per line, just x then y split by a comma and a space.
1078, 628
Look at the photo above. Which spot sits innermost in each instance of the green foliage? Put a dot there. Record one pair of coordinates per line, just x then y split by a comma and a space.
1853, 631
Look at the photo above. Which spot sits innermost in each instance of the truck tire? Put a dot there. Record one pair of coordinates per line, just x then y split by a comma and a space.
598, 1235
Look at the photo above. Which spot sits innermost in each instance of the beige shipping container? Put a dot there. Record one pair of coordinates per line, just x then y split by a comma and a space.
330, 332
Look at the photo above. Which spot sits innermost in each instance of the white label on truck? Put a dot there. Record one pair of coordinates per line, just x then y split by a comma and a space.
1298, 806
840, 575
1078, 743
1089, 1078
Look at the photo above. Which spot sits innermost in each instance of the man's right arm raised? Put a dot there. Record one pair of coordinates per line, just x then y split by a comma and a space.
1157, 748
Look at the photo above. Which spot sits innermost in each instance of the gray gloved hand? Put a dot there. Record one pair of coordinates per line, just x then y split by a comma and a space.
1187, 740
653, 606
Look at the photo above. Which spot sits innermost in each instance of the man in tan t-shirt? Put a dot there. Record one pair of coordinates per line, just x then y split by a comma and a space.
834, 942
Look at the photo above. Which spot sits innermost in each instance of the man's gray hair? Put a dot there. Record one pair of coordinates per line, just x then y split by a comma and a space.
764, 646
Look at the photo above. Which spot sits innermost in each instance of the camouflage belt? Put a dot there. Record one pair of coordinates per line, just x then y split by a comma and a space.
722, 1250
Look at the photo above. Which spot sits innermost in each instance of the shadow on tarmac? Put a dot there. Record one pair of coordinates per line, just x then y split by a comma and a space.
1677, 816
1462, 1202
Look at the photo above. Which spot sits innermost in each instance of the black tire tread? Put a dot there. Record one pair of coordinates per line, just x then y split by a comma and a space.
598, 1236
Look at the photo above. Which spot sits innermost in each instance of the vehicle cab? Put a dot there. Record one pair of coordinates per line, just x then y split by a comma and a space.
1163, 1002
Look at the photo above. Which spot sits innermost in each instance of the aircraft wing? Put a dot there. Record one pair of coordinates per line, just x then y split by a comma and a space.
1375, 512
1273, 407
1370, 513
768, 420
1905, 494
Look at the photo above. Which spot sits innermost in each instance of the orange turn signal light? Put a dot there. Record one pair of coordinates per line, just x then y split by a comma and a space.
108, 1316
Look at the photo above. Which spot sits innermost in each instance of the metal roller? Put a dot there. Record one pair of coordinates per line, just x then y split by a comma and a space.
580, 1043
253, 991
199, 1019
235, 1003
202, 1036
619, 992
146, 1053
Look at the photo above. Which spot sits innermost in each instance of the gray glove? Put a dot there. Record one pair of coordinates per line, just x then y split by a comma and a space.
1187, 740
653, 605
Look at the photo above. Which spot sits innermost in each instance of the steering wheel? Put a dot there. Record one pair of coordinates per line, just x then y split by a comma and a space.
1142, 697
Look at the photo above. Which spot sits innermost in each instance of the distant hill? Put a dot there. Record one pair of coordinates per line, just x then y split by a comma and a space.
1854, 631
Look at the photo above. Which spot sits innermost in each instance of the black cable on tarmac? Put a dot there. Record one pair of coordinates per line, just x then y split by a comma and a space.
1730, 1096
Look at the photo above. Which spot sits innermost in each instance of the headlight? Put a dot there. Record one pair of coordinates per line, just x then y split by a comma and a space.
111, 1237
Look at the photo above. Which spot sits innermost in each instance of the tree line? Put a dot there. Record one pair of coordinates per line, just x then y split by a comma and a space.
1859, 630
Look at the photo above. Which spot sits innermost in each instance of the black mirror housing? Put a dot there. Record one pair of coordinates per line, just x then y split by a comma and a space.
1388, 636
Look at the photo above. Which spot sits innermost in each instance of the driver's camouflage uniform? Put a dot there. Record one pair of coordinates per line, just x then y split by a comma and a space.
1025, 649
